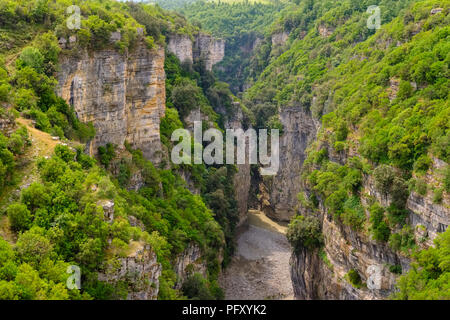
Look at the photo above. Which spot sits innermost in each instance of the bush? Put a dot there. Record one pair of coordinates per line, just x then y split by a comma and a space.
354, 278
106, 154
379, 228
31, 57
422, 164
304, 232
384, 177
437, 195
19, 216
403, 240
195, 287
185, 97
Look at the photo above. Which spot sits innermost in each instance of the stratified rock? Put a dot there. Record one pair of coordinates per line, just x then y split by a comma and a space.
122, 94
140, 270
299, 129
209, 49
181, 46
190, 261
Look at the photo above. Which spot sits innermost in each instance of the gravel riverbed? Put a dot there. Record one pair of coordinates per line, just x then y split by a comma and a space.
260, 268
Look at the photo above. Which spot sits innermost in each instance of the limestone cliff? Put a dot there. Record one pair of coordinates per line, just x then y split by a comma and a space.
190, 261
322, 274
299, 129
139, 270
204, 47
181, 46
122, 94
242, 179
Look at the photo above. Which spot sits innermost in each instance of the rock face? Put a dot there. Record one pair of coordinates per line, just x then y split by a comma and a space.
181, 46
346, 250
190, 261
122, 94
140, 270
429, 218
323, 275
210, 49
279, 39
299, 129
242, 179
204, 47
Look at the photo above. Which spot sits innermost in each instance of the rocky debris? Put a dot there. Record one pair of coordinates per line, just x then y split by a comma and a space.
260, 268
122, 94
140, 270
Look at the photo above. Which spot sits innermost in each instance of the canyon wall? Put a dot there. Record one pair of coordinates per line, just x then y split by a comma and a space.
122, 94
242, 178
204, 47
181, 46
323, 274
299, 129
139, 270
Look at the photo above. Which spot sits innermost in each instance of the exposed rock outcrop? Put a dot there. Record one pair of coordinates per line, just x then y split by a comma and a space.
210, 49
323, 275
190, 261
280, 38
140, 270
204, 47
427, 217
122, 94
315, 278
299, 129
181, 46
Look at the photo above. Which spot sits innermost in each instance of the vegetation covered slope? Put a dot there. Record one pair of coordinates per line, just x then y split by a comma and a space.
56, 218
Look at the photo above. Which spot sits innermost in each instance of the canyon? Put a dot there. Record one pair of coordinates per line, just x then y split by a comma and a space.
124, 97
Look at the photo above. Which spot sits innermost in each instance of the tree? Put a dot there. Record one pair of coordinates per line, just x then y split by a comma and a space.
19, 216
304, 232
31, 57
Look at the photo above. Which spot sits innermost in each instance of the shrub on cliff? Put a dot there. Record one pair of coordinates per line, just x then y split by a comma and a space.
429, 276
305, 232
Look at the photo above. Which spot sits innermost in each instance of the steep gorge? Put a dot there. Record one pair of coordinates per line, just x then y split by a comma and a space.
357, 219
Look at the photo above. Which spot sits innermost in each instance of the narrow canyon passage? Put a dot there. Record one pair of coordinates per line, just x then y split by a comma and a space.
260, 267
